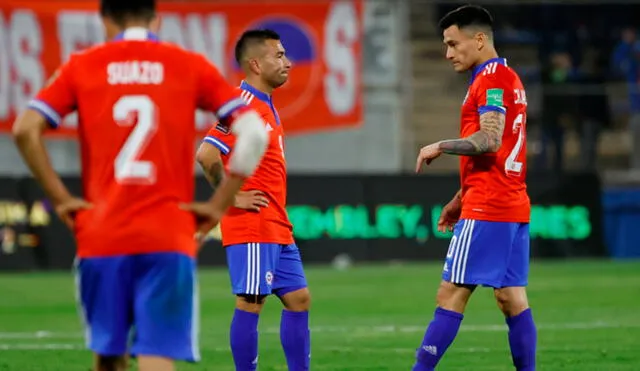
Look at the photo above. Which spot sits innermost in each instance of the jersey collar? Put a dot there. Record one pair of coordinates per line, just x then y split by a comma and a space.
257, 93
137, 34
477, 69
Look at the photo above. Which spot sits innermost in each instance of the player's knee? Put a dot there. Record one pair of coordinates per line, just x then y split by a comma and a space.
250, 303
111, 363
297, 301
511, 300
453, 297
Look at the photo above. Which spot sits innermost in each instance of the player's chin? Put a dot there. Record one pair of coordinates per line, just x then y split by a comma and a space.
459, 67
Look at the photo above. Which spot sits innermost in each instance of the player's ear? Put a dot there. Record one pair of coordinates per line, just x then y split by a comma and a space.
254, 66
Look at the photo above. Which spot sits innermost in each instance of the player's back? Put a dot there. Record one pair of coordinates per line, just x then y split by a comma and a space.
493, 184
136, 106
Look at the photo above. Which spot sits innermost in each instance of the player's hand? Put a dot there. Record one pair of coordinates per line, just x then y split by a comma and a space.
251, 200
428, 154
207, 217
450, 215
68, 209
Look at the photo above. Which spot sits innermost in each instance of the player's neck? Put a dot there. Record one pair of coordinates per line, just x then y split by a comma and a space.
487, 56
133, 24
259, 84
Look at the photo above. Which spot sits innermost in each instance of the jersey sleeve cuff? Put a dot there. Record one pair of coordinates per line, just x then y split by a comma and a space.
225, 149
50, 114
485, 109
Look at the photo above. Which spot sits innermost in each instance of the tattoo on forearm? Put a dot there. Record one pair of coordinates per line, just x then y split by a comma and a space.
488, 139
214, 174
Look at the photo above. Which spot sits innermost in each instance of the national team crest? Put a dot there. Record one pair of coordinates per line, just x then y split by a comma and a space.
269, 278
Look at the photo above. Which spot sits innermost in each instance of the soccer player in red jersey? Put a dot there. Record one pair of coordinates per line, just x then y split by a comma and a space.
489, 215
261, 253
136, 99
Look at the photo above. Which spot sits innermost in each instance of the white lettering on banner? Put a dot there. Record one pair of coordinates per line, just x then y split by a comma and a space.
20, 46
5, 72
78, 30
206, 35
341, 32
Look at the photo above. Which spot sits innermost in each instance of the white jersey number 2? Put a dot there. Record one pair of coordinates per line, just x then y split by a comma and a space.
138, 110
512, 166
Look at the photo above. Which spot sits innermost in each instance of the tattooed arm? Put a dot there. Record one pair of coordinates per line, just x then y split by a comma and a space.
488, 139
210, 161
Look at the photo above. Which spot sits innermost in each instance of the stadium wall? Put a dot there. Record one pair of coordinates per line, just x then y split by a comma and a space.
335, 218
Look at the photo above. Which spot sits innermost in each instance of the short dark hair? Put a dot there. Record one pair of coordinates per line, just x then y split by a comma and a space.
467, 15
120, 10
251, 37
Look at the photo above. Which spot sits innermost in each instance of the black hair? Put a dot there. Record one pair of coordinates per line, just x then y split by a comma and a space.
466, 16
252, 37
121, 10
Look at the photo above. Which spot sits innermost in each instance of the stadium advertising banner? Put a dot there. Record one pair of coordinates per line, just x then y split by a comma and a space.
365, 218
323, 39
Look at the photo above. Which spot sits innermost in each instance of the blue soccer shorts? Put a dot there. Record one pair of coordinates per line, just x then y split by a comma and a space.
265, 269
147, 301
494, 254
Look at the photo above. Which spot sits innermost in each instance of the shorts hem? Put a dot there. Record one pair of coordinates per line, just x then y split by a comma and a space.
495, 284
285, 290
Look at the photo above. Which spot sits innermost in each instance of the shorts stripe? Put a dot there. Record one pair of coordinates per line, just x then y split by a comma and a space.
462, 252
195, 319
456, 252
257, 277
467, 245
253, 269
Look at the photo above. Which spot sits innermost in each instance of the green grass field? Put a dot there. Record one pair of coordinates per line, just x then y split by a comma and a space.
363, 318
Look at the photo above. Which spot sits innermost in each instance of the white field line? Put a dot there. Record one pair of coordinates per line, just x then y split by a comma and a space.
372, 330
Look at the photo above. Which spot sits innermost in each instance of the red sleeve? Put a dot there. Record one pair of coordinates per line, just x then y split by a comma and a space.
494, 92
215, 94
220, 137
58, 98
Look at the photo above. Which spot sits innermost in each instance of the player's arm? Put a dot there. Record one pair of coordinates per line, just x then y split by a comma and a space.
209, 157
45, 111
217, 95
486, 140
492, 110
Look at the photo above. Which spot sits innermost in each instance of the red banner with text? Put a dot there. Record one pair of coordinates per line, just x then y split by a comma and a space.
322, 38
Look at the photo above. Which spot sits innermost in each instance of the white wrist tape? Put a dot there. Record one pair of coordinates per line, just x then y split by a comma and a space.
251, 143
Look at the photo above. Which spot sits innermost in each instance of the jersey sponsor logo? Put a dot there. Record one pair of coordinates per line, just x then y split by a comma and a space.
495, 97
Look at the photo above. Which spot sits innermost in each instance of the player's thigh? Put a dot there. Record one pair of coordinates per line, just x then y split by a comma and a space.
166, 307
105, 299
289, 275
251, 267
479, 252
518, 265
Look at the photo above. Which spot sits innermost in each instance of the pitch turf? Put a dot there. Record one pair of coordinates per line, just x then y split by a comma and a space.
363, 318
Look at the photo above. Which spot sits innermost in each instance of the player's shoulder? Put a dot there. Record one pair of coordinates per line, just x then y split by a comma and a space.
251, 100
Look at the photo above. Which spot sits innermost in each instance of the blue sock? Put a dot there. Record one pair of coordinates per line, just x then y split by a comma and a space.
522, 339
244, 340
440, 334
296, 340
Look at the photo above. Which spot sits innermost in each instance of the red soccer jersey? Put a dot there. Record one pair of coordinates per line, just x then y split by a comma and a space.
493, 184
271, 224
136, 99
